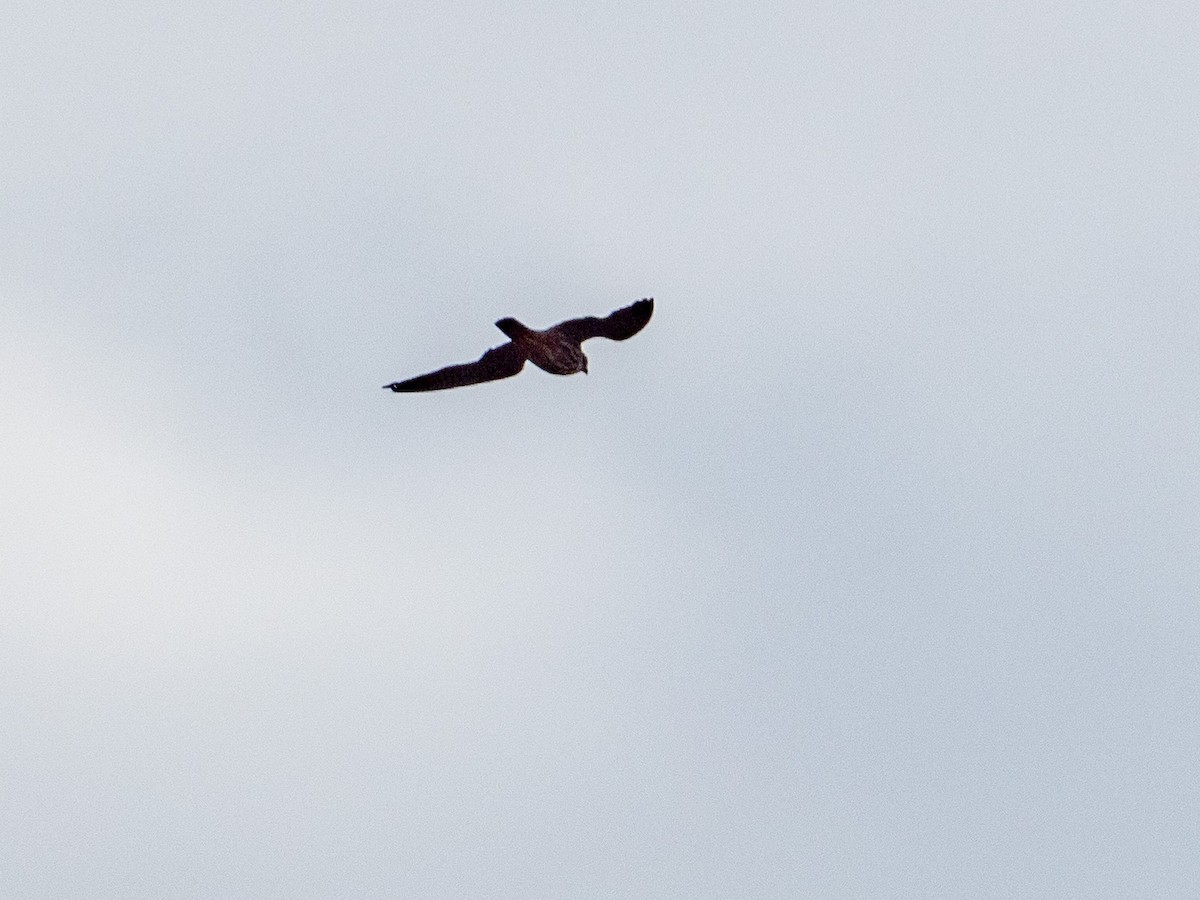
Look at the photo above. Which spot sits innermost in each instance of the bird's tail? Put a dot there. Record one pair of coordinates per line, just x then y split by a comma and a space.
512, 328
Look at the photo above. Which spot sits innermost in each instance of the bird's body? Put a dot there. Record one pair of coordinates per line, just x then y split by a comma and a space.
556, 350
552, 353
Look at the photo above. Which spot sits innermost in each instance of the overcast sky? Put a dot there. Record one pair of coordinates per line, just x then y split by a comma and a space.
870, 568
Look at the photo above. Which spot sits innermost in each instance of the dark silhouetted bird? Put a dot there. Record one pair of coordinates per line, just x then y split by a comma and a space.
556, 350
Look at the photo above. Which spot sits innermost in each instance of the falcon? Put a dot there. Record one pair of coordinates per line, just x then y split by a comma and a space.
556, 350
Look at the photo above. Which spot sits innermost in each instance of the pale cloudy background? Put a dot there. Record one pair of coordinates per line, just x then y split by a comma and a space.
871, 568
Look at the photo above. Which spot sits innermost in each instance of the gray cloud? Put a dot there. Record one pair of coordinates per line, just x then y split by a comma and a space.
867, 568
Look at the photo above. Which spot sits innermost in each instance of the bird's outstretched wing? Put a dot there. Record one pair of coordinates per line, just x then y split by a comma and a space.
617, 326
499, 362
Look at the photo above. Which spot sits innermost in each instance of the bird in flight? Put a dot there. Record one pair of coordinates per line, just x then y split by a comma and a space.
556, 350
